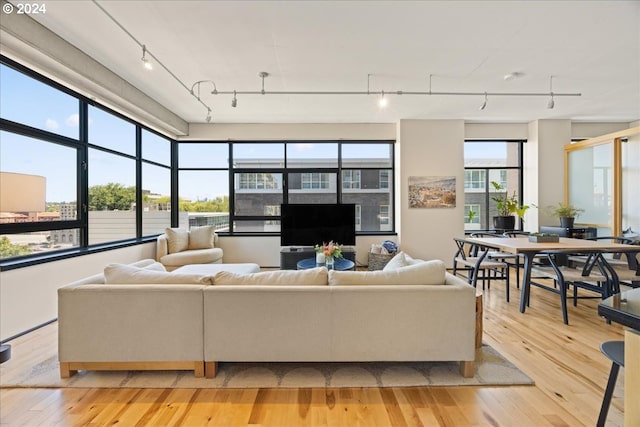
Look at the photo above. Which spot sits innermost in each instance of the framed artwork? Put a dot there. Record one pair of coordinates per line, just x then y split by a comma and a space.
432, 191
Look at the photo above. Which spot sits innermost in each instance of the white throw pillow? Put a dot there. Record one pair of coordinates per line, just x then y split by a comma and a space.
201, 237
156, 266
399, 260
423, 273
177, 239
311, 277
121, 274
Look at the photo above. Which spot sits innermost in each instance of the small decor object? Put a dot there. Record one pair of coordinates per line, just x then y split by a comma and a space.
567, 214
432, 191
544, 238
329, 251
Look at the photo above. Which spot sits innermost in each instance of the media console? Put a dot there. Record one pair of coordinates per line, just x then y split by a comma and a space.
290, 255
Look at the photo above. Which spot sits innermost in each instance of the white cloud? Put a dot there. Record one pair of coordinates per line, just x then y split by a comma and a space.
51, 124
73, 121
303, 147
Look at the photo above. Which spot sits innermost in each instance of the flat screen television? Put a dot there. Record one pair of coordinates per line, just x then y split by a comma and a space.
313, 224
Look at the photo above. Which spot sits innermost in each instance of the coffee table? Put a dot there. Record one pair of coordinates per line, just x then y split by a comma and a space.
339, 264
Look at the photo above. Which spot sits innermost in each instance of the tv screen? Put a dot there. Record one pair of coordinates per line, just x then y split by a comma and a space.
313, 224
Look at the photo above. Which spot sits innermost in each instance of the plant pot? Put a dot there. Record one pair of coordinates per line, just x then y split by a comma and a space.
566, 222
504, 222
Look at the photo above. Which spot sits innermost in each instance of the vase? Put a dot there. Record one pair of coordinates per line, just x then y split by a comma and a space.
328, 262
320, 258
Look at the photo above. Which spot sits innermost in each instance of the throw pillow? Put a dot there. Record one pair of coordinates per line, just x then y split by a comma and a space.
156, 266
399, 260
121, 274
201, 237
311, 277
177, 239
423, 273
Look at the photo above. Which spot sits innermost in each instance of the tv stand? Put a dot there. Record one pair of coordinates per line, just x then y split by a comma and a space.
290, 255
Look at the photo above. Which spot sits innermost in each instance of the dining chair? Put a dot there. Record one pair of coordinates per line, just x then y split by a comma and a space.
595, 275
472, 262
614, 350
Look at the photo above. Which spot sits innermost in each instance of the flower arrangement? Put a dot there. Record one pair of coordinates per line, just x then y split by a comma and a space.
330, 249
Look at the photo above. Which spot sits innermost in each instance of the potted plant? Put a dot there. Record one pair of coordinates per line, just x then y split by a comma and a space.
567, 214
507, 206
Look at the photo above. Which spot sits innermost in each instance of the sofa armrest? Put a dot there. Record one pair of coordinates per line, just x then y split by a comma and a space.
130, 323
162, 246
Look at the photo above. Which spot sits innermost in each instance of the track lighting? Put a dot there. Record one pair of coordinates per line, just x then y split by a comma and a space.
382, 103
145, 62
234, 101
551, 103
208, 118
484, 104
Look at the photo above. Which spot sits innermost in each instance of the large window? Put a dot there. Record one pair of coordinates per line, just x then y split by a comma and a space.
267, 174
486, 162
74, 174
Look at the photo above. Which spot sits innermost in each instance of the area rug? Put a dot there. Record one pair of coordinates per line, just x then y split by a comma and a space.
491, 368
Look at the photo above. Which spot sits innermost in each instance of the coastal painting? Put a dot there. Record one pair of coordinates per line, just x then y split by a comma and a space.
432, 191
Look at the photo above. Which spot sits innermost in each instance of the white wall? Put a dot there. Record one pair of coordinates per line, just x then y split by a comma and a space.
431, 148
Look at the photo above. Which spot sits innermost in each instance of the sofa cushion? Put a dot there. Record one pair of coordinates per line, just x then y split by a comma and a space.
196, 256
201, 237
313, 277
156, 266
120, 274
177, 239
423, 273
399, 260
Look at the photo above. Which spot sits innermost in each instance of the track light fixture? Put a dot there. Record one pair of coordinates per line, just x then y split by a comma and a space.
145, 62
484, 104
551, 103
208, 118
234, 101
382, 103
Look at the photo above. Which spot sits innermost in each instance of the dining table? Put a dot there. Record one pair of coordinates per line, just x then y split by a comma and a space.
529, 250
624, 308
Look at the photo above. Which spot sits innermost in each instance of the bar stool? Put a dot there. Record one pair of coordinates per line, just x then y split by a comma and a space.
614, 350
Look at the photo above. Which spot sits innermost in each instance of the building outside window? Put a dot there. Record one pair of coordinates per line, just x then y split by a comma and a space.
351, 179
384, 179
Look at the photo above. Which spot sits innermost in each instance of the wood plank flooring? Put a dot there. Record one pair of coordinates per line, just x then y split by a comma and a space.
565, 362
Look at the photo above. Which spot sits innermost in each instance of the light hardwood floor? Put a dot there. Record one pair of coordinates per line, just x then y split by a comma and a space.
565, 362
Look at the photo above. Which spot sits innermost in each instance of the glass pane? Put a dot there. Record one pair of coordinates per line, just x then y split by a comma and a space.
271, 226
109, 131
199, 155
256, 192
490, 153
375, 155
509, 181
312, 155
156, 148
13, 245
370, 190
33, 103
258, 155
112, 189
312, 187
38, 180
156, 199
591, 183
204, 199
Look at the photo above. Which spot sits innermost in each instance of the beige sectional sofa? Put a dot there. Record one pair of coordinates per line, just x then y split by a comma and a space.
415, 313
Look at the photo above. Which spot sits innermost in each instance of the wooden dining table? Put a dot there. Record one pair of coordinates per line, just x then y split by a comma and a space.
529, 250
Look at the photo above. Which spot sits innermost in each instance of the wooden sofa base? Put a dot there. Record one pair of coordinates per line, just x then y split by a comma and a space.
211, 369
68, 369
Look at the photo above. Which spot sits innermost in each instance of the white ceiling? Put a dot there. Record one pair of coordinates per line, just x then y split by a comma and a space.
591, 47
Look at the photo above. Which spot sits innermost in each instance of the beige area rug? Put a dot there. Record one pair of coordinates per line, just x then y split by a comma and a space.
490, 369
